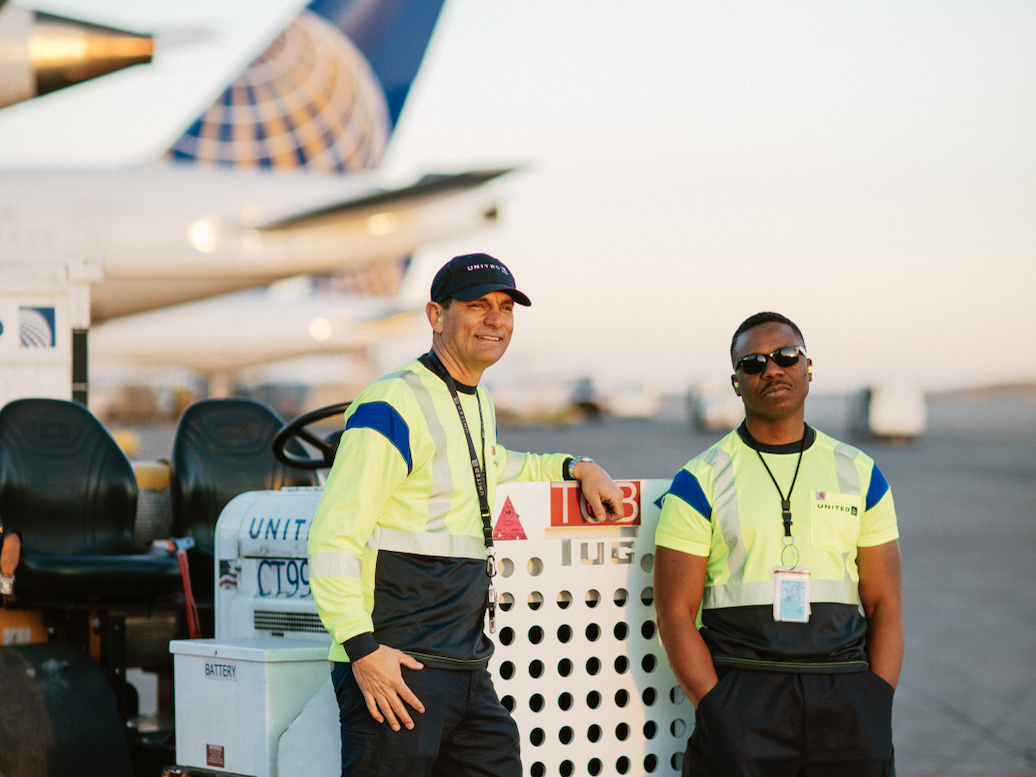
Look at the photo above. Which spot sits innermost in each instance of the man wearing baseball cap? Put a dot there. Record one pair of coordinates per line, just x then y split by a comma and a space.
400, 550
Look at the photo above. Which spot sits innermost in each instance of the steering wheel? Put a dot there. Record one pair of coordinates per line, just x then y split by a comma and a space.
297, 428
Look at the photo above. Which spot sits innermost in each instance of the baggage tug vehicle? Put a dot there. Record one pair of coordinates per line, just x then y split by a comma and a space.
224, 617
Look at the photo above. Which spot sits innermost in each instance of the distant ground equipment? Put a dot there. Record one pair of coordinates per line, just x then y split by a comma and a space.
895, 412
715, 409
634, 402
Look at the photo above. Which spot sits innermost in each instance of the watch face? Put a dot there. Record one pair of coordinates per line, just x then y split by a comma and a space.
572, 465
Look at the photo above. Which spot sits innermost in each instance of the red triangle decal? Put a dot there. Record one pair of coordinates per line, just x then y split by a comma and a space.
508, 527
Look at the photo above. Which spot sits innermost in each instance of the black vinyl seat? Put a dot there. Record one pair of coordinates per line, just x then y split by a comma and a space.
222, 448
70, 492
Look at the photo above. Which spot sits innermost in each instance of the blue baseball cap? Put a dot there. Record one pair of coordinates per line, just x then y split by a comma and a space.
470, 276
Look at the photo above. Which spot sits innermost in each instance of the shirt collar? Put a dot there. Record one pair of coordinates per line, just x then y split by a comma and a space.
463, 388
791, 447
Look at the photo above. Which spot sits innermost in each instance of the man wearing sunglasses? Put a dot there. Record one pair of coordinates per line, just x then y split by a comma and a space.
778, 583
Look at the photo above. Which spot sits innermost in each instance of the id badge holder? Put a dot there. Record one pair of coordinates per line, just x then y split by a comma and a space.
791, 595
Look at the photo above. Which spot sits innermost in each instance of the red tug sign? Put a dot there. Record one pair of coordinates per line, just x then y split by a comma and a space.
568, 508
508, 527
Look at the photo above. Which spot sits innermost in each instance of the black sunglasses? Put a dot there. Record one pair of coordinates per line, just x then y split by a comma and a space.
755, 363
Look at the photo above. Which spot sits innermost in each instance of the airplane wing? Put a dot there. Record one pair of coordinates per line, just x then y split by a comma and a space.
385, 203
205, 248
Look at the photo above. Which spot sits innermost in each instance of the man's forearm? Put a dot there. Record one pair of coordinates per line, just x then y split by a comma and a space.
689, 658
881, 594
679, 585
885, 641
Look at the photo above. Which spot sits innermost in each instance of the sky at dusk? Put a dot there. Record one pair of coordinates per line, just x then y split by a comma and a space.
867, 169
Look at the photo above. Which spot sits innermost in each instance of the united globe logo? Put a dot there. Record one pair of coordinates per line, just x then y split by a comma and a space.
36, 327
310, 100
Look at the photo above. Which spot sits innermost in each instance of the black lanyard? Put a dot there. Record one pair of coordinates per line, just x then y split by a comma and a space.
432, 360
785, 501
476, 467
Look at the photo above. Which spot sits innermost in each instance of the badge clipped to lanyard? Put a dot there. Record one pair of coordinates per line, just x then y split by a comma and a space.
791, 595
790, 581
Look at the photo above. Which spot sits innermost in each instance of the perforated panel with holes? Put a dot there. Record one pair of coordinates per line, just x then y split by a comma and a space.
578, 661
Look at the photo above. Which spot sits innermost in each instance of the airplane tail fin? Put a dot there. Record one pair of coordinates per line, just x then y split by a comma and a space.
325, 95
393, 35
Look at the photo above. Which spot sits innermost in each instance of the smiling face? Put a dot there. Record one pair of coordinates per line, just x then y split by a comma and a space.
470, 336
777, 394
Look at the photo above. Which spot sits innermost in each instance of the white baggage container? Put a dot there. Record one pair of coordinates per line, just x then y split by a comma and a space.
235, 697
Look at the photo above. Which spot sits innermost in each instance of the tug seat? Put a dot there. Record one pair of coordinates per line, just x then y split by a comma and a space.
222, 448
70, 492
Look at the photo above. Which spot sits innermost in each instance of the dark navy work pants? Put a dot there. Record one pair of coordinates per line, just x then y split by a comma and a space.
464, 731
763, 724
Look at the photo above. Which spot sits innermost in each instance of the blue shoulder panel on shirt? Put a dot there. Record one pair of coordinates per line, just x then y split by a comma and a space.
879, 487
686, 486
384, 419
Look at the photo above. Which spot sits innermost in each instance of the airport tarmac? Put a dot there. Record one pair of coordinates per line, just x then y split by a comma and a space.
966, 500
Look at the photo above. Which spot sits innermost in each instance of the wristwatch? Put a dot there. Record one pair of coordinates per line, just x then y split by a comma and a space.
570, 473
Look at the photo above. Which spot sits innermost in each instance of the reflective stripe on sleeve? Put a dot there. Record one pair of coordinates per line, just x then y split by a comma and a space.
333, 565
